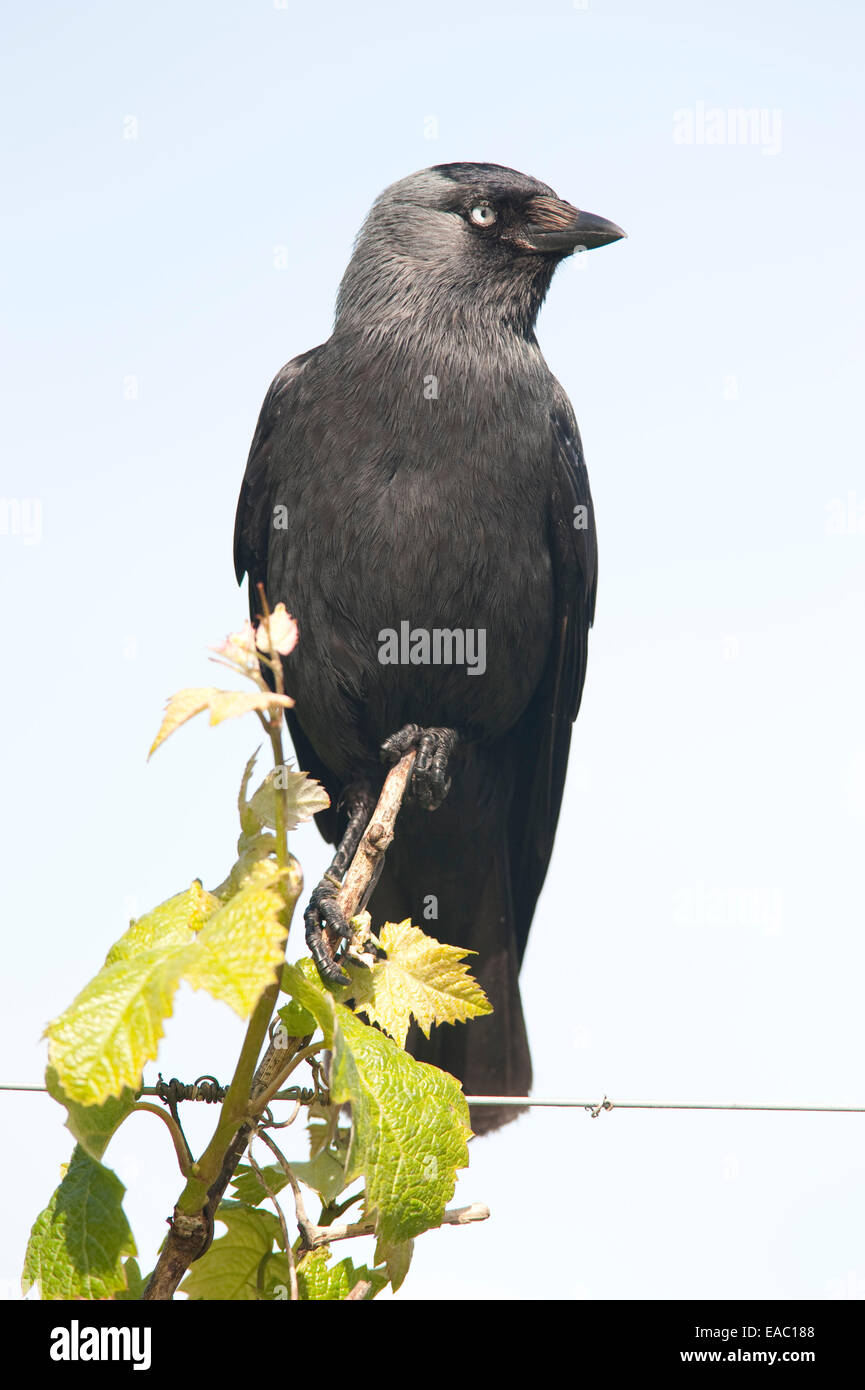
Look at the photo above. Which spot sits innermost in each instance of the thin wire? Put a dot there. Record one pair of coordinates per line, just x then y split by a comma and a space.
605, 1104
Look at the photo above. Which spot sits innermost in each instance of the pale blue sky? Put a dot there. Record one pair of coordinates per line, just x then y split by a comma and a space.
707, 882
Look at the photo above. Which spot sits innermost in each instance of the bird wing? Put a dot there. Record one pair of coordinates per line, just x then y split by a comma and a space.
254, 519
252, 529
543, 735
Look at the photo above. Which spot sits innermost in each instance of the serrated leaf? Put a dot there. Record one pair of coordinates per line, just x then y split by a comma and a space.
236, 954
410, 1121
304, 984
223, 704
297, 1021
324, 1174
249, 825
304, 797
230, 1268
421, 977
77, 1244
100, 1044
410, 1127
173, 923
91, 1125
135, 1283
255, 848
395, 1258
319, 1279
247, 1187
324, 1130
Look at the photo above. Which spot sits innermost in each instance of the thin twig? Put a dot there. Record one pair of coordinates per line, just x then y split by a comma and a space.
181, 1148
306, 1227
292, 1272
316, 1236
261, 1100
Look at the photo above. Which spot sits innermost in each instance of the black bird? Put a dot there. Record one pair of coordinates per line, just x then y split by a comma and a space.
421, 473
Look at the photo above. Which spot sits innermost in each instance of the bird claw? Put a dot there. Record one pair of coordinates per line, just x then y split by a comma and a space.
323, 911
430, 783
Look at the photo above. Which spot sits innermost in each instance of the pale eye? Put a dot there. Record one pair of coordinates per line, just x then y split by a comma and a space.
482, 215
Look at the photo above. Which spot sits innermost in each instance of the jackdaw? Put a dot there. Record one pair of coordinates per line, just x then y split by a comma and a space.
416, 495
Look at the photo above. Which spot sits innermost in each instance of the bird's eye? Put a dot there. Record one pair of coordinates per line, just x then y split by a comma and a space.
482, 215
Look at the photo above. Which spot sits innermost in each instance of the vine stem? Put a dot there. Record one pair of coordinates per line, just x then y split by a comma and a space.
191, 1228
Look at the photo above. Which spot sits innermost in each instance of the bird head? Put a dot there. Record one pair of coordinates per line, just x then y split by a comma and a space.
463, 241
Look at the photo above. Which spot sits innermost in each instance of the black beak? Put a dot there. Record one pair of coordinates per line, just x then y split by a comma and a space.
558, 228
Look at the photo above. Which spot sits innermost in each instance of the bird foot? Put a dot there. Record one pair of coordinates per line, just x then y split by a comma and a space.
323, 911
430, 783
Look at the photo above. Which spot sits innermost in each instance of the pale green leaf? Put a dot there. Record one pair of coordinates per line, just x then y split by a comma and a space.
304, 797
223, 704
324, 1174
421, 978
173, 923
410, 1121
319, 1279
248, 1188
91, 1125
410, 1127
236, 954
230, 1269
100, 1044
297, 1022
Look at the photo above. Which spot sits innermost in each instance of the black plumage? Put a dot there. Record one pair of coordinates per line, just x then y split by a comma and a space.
424, 466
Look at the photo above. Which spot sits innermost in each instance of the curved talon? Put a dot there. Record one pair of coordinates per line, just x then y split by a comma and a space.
430, 783
401, 743
323, 911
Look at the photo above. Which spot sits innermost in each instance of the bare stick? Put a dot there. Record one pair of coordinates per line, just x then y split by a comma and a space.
365, 867
454, 1216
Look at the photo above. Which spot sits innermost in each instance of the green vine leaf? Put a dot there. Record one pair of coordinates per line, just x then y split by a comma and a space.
174, 923
91, 1125
395, 1258
223, 704
304, 797
238, 951
410, 1121
230, 1269
100, 1044
248, 1189
77, 1244
135, 1284
319, 1279
421, 977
